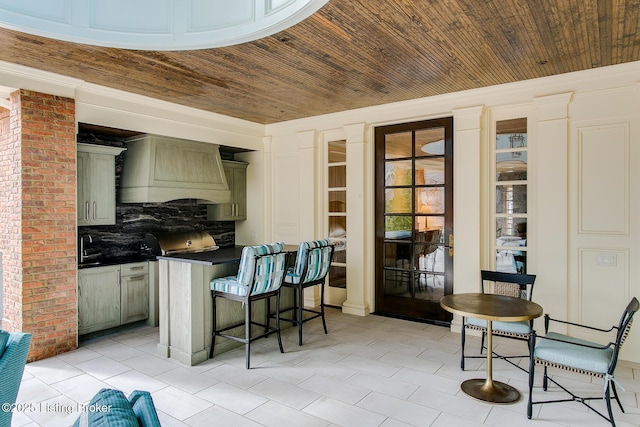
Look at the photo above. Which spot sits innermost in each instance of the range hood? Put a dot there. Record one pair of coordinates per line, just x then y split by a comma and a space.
159, 169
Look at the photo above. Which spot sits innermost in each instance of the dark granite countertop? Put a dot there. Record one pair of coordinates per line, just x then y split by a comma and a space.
219, 256
115, 261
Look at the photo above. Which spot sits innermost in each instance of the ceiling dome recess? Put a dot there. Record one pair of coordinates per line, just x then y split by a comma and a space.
155, 24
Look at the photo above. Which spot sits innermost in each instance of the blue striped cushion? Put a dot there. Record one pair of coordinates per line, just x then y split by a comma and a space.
269, 274
319, 264
245, 270
575, 356
301, 257
520, 327
229, 285
269, 271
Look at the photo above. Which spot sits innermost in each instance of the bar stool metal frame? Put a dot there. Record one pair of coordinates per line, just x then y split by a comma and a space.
260, 262
312, 267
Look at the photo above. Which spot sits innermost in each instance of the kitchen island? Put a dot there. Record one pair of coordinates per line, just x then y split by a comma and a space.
185, 303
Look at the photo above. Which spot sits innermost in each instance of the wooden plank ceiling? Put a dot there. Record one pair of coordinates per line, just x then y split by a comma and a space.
359, 53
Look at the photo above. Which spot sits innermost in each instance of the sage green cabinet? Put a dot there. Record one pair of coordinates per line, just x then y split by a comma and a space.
111, 296
98, 298
134, 291
236, 210
96, 185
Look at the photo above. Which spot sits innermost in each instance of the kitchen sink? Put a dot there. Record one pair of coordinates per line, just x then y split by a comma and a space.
89, 264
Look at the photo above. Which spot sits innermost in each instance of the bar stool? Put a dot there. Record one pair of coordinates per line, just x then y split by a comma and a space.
260, 275
312, 264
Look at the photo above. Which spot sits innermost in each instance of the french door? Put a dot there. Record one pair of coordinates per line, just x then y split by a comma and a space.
414, 219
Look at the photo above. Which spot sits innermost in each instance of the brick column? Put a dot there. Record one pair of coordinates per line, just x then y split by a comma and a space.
38, 221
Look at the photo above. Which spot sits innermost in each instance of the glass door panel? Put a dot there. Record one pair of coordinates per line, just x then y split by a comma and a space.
414, 212
336, 157
511, 152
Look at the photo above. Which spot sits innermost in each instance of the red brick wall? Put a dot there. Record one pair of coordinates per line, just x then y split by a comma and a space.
40, 254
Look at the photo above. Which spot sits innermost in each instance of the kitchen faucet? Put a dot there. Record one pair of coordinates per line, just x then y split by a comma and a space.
83, 251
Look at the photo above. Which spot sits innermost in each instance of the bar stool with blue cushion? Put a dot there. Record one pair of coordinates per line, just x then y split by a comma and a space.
260, 274
313, 261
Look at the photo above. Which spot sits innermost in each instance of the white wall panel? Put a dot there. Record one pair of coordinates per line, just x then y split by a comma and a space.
603, 153
604, 289
286, 197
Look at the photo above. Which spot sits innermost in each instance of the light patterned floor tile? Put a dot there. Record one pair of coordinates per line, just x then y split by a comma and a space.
389, 386
369, 371
52, 370
133, 380
218, 416
103, 367
149, 364
335, 389
285, 393
460, 406
187, 380
80, 388
232, 398
343, 414
399, 409
178, 403
273, 414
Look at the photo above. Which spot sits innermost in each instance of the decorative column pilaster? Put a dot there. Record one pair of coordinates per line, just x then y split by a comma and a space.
359, 281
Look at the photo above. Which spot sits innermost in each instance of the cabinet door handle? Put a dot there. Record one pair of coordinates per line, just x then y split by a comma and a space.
94, 210
141, 277
136, 268
86, 211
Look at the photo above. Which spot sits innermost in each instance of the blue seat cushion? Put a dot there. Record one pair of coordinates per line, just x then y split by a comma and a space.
4, 338
229, 285
572, 355
520, 327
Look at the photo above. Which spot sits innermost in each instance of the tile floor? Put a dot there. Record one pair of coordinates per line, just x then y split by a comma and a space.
371, 371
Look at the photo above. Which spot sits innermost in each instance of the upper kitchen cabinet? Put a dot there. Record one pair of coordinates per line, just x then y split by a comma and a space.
96, 189
236, 210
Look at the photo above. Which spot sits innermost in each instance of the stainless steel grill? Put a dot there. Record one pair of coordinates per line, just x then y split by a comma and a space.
177, 243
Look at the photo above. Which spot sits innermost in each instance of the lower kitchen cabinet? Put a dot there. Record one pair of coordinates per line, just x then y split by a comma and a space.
111, 296
98, 298
134, 291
